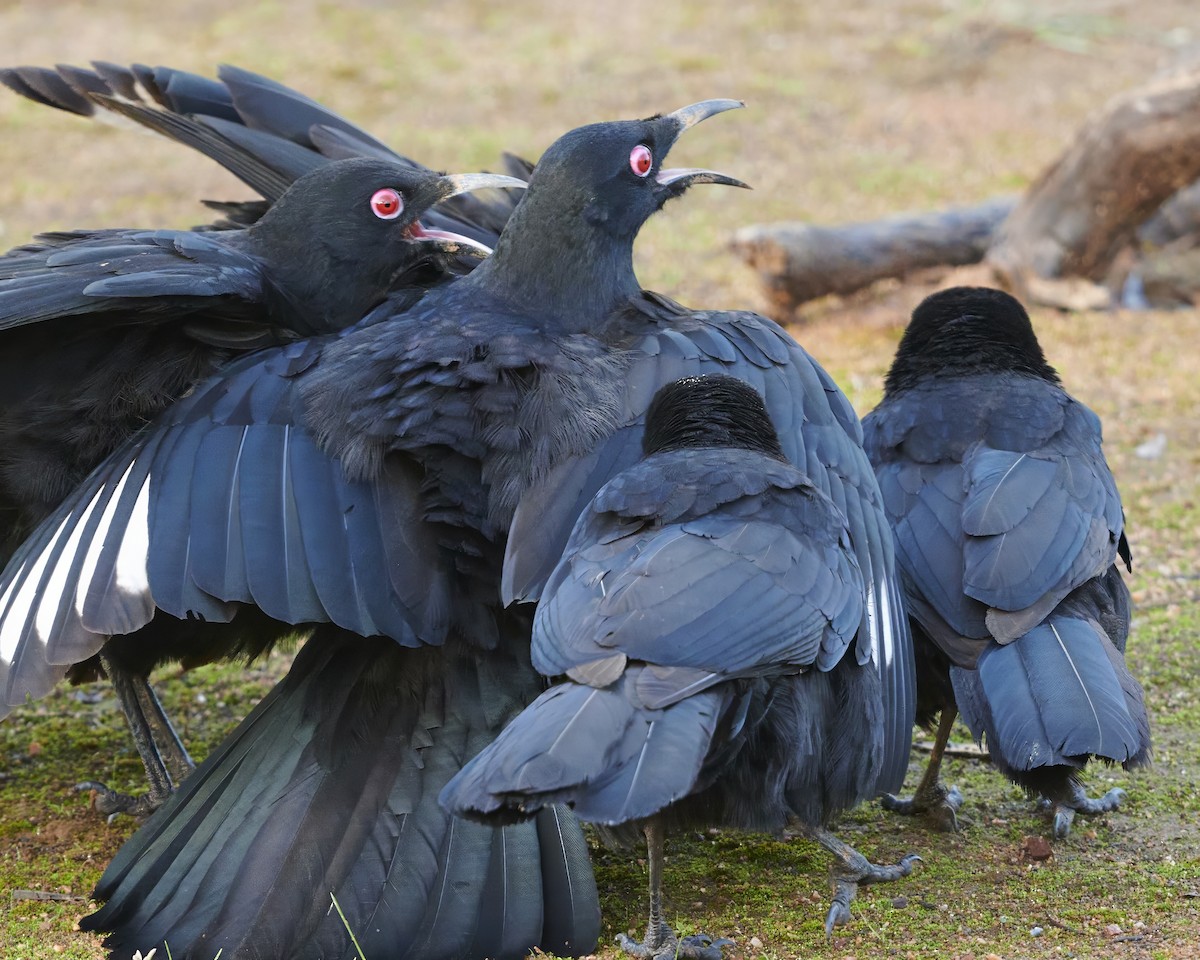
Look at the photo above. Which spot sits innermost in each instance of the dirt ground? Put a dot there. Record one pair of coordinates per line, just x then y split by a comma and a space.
855, 110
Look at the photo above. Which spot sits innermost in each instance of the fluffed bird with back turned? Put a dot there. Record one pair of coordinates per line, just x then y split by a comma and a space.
102, 330
1009, 531
381, 469
703, 616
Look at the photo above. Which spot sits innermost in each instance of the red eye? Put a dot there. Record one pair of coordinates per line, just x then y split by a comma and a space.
641, 159
387, 204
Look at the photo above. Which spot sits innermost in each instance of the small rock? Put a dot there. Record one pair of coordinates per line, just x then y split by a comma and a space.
34, 748
1036, 932
900, 902
1138, 925
755, 943
1036, 848
1113, 930
992, 956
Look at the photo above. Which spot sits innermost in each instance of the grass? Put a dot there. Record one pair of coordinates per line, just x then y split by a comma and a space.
857, 109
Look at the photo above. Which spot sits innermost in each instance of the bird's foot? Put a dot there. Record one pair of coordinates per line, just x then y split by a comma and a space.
855, 870
661, 943
1080, 802
112, 804
938, 804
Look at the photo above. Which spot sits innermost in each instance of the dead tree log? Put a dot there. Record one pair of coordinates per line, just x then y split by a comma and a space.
799, 262
1130, 157
1176, 220
1057, 245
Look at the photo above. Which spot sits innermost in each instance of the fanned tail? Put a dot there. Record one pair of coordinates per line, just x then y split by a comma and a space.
1057, 696
604, 751
330, 788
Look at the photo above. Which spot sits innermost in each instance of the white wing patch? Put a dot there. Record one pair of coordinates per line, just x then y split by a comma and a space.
132, 573
67, 572
136, 532
879, 625
18, 600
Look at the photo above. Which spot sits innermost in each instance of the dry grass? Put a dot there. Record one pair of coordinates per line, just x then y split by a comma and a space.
856, 109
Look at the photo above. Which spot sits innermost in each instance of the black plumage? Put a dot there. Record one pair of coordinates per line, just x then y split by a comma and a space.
100, 331
703, 614
417, 440
1008, 529
264, 133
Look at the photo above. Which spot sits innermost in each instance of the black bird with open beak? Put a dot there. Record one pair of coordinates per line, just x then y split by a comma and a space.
419, 445
102, 330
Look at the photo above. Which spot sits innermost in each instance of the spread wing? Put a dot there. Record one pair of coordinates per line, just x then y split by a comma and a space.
132, 275
226, 500
821, 436
265, 134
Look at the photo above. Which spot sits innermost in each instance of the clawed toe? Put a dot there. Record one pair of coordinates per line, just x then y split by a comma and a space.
700, 946
1064, 811
939, 805
661, 943
112, 804
857, 870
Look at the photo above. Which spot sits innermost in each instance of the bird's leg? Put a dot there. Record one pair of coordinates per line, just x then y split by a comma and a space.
108, 801
939, 803
177, 759
661, 943
850, 870
1080, 802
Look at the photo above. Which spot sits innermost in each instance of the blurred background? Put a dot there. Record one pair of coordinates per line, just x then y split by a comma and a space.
856, 109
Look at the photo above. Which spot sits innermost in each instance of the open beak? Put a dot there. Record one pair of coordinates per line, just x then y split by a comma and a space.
452, 185
690, 175
446, 239
693, 113
681, 178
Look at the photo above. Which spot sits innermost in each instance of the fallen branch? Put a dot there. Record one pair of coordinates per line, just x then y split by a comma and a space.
1056, 245
799, 262
1141, 148
967, 751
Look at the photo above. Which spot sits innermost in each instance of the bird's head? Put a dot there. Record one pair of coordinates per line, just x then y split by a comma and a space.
568, 246
965, 330
612, 175
343, 233
714, 410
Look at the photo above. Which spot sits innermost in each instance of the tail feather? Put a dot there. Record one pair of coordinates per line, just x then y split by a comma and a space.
1056, 696
571, 908
600, 750
330, 787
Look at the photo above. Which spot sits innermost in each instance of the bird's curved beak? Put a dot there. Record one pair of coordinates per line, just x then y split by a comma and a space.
680, 178
693, 113
686, 176
451, 185
447, 240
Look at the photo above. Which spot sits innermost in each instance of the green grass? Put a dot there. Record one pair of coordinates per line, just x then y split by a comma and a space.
857, 109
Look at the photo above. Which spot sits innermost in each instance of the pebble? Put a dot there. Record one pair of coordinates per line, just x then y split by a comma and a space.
755, 943
1113, 930
1036, 848
1036, 932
